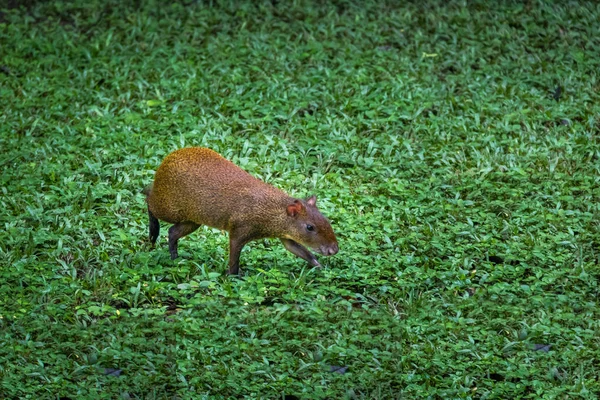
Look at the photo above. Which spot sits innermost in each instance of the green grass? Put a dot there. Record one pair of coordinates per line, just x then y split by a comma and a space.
466, 199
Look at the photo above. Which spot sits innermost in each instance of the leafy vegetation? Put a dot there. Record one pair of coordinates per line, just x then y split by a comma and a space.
454, 146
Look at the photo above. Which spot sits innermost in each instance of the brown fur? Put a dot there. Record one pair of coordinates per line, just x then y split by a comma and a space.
196, 186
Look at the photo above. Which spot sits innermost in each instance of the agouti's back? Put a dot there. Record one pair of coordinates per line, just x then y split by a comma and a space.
196, 186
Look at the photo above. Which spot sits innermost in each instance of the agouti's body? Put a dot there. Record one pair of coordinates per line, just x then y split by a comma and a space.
196, 186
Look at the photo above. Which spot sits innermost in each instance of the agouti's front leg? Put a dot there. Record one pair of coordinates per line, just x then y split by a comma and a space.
237, 241
301, 251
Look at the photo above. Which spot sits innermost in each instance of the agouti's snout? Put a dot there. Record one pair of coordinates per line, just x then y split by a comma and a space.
330, 250
196, 186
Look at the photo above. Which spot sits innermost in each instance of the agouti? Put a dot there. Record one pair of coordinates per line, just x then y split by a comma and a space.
196, 186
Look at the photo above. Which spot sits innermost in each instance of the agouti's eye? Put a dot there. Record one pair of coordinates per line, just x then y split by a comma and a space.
310, 228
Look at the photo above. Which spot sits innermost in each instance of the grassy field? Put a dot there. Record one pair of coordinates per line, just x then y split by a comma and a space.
455, 148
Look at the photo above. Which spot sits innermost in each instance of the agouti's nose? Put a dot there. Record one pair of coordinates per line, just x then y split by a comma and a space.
331, 250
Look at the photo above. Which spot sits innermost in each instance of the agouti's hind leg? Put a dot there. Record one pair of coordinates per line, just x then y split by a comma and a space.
154, 227
178, 231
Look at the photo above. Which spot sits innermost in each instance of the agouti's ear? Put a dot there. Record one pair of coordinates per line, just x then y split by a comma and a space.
312, 201
294, 208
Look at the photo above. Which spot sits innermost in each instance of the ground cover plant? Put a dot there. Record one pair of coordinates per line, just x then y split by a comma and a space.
454, 146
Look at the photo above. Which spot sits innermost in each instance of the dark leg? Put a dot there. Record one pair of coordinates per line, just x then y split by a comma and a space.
301, 251
236, 244
154, 227
178, 231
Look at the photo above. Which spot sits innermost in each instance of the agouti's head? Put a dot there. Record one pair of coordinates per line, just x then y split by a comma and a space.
310, 228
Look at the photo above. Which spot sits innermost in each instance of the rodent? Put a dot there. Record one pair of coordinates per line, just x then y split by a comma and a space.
196, 186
